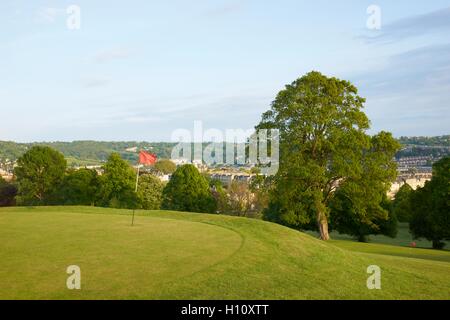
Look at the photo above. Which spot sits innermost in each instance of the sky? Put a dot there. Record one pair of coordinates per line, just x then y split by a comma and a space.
140, 70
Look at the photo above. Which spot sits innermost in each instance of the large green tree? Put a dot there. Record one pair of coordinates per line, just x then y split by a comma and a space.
39, 173
150, 192
323, 142
430, 207
189, 191
117, 184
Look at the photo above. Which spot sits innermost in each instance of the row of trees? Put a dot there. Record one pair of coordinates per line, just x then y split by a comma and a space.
42, 178
427, 209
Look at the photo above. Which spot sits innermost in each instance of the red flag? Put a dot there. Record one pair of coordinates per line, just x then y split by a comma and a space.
146, 158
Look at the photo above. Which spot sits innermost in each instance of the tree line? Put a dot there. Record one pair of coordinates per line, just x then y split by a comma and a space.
43, 178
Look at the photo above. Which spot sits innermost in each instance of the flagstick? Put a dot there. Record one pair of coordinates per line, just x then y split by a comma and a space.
136, 189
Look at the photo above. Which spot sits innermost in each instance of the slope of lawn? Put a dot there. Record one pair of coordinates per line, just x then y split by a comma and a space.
172, 255
403, 238
398, 246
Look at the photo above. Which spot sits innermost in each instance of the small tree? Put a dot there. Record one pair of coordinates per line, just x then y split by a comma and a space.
241, 199
188, 190
165, 166
220, 196
8, 192
39, 173
117, 184
150, 192
430, 207
261, 186
80, 187
402, 203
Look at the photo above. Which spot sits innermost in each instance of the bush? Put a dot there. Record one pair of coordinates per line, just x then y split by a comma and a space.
8, 192
80, 187
150, 192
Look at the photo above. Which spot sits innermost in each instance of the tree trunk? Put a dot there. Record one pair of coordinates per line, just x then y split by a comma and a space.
323, 227
362, 238
438, 244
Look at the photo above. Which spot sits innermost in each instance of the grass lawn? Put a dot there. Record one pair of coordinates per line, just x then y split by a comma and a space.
171, 255
398, 246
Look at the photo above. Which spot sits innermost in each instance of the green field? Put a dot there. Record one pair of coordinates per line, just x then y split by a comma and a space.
170, 255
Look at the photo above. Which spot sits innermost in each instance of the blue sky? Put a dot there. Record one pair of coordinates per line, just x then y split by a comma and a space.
138, 70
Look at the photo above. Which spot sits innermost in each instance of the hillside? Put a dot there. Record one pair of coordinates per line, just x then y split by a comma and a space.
171, 255
80, 153
88, 152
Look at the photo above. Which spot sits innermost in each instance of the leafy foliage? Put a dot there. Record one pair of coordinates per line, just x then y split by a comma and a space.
8, 192
240, 198
402, 203
117, 184
150, 192
165, 166
80, 187
430, 207
39, 175
188, 190
322, 142
360, 206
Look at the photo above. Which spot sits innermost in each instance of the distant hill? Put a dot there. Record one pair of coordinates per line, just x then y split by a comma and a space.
434, 147
88, 152
439, 141
80, 153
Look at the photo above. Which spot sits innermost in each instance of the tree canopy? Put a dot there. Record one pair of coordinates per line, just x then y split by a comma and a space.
39, 173
360, 206
430, 206
165, 166
8, 192
80, 187
150, 192
188, 190
402, 203
117, 184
